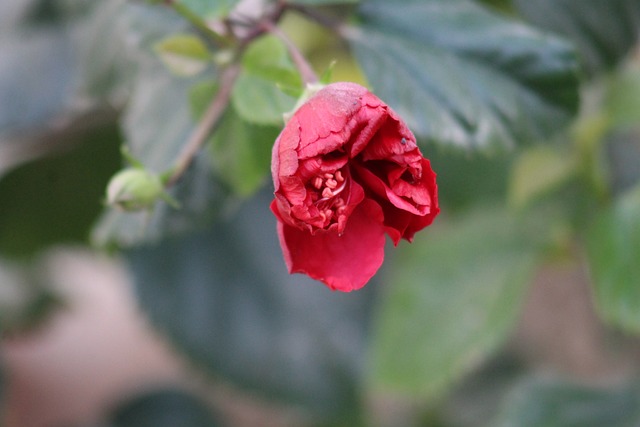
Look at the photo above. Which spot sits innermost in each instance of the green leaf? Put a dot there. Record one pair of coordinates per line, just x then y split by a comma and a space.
241, 153
613, 250
183, 54
537, 172
603, 31
257, 95
163, 408
208, 9
461, 75
225, 299
453, 297
558, 404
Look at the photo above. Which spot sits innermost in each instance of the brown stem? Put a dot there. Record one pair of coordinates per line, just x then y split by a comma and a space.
207, 124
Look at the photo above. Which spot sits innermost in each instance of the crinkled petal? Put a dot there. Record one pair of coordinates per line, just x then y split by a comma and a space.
330, 111
343, 262
402, 216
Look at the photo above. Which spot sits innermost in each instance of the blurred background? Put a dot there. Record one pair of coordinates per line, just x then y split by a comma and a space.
520, 306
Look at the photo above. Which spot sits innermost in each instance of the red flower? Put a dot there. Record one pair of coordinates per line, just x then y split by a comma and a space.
346, 169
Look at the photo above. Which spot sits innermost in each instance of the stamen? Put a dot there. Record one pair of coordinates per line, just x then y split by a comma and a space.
331, 183
317, 182
326, 193
338, 190
339, 176
328, 175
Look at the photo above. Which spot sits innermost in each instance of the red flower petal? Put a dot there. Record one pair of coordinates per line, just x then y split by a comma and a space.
410, 211
343, 263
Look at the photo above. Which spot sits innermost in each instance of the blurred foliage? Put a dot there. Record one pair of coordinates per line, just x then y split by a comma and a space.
56, 199
558, 404
454, 299
163, 408
471, 81
613, 246
225, 298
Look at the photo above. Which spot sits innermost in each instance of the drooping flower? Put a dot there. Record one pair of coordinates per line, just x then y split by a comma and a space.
346, 170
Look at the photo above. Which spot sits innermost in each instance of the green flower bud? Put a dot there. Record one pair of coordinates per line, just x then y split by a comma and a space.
134, 189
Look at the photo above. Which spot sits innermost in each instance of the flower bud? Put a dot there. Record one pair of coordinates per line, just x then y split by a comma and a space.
134, 189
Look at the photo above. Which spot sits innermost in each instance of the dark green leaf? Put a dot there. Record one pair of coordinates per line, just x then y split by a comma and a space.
557, 404
225, 298
603, 31
613, 249
461, 75
454, 296
163, 408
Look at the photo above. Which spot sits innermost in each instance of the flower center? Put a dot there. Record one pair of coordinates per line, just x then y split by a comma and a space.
330, 202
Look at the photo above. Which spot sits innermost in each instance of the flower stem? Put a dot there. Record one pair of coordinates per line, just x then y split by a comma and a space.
207, 124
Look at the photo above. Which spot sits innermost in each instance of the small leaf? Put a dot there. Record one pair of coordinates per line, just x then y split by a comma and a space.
558, 404
452, 299
257, 94
613, 249
183, 54
537, 172
463, 76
